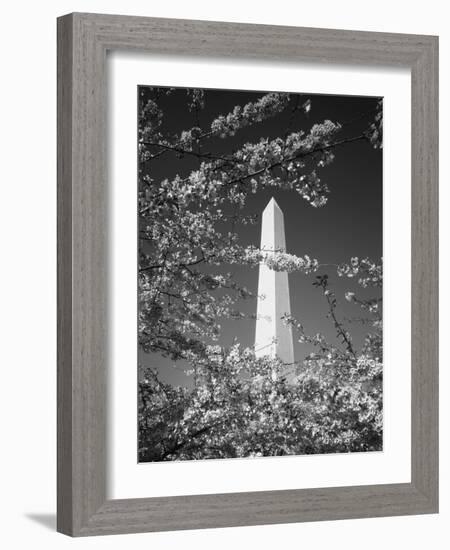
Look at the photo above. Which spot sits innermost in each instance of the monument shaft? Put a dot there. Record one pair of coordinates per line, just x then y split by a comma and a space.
273, 337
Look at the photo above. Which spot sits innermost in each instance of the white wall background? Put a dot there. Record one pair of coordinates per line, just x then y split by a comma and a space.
28, 269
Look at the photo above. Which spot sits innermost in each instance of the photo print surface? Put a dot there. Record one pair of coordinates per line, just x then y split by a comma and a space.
259, 274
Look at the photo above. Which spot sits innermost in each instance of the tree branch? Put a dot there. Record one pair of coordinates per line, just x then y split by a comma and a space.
322, 281
198, 154
296, 157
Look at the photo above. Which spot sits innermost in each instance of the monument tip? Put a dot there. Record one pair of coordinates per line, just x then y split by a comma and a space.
273, 203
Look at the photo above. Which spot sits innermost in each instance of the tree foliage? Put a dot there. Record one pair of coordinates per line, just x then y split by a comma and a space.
240, 405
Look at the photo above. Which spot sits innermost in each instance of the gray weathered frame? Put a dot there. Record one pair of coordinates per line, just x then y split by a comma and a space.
83, 40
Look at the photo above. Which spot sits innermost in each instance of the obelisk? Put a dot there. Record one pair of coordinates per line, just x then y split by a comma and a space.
273, 336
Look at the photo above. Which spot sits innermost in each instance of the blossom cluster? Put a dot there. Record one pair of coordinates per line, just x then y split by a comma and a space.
368, 272
268, 106
228, 125
375, 131
279, 260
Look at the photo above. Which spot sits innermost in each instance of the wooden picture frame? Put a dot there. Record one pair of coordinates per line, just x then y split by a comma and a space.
83, 40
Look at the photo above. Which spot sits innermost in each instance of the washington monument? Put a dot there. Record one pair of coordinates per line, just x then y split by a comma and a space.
273, 337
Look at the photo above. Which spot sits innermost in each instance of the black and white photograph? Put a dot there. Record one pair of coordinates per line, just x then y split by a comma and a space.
260, 274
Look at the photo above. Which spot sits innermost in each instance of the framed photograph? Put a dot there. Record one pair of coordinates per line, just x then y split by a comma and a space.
247, 274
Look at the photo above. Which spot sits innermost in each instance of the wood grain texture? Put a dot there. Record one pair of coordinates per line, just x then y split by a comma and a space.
64, 277
83, 40
424, 276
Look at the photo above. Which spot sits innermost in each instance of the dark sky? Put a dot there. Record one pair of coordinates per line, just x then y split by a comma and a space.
350, 224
